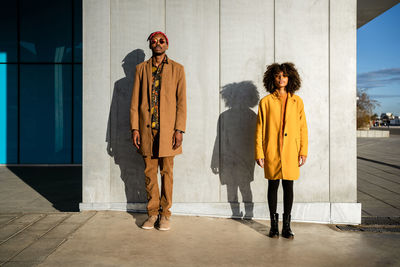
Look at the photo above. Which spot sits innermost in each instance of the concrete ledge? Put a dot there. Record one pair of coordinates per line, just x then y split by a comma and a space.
346, 213
322, 212
372, 133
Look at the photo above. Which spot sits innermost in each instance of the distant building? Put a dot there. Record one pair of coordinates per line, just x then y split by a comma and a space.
395, 121
390, 115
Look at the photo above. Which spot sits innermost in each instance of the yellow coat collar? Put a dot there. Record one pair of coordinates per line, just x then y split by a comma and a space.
276, 96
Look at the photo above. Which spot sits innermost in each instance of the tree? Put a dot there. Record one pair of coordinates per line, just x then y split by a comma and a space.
365, 107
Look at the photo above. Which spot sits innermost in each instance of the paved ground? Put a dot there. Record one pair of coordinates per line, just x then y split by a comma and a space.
40, 189
115, 239
33, 231
26, 239
378, 171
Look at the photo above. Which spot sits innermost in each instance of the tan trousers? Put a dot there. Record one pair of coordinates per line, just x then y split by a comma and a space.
155, 201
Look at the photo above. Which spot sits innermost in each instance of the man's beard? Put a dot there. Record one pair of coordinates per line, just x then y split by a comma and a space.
158, 53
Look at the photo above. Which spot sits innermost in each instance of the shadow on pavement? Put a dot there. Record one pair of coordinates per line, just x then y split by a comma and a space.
256, 226
62, 186
139, 218
380, 162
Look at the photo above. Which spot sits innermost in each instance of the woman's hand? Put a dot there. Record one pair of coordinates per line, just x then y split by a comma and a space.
302, 160
260, 162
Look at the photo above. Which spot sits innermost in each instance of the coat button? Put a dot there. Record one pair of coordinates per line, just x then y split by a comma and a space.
148, 125
285, 134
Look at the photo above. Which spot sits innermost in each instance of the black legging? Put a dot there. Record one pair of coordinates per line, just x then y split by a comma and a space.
273, 195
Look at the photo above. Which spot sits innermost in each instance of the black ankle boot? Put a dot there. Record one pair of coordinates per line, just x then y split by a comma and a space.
274, 231
286, 231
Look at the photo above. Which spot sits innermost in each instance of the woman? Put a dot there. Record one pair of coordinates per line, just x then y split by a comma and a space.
281, 139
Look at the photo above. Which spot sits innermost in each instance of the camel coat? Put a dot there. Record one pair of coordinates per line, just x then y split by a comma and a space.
295, 139
172, 106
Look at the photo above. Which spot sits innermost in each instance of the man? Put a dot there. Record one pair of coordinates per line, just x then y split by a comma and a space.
158, 121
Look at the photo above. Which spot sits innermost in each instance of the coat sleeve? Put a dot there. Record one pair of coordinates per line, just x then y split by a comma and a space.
303, 131
180, 123
259, 151
134, 110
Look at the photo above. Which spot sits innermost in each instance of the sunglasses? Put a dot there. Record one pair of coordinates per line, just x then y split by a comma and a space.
161, 41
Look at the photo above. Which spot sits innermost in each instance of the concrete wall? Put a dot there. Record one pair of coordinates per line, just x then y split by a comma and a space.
224, 46
96, 101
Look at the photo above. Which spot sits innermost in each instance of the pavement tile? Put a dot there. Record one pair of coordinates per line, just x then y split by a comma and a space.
25, 238
41, 227
48, 222
378, 184
377, 174
380, 211
17, 225
70, 225
39, 250
80, 217
62, 230
14, 245
377, 170
20, 264
380, 193
28, 218
5, 218
373, 167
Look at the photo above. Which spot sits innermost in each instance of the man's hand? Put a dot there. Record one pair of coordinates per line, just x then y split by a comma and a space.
260, 162
177, 140
136, 138
302, 160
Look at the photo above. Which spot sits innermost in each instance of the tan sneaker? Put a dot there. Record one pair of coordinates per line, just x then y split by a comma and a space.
149, 223
164, 223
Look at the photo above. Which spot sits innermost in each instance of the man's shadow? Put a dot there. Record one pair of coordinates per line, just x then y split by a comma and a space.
235, 141
119, 137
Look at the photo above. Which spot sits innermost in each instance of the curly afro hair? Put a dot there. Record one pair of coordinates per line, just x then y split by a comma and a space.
288, 70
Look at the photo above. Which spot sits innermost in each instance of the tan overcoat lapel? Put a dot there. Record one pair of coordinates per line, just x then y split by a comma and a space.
149, 79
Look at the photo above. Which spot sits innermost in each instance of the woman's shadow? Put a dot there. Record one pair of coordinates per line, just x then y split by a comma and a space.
233, 154
119, 137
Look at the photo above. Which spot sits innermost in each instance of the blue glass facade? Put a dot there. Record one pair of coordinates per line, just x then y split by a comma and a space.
41, 82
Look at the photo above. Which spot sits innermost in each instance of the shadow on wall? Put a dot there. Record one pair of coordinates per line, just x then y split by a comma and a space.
236, 129
119, 136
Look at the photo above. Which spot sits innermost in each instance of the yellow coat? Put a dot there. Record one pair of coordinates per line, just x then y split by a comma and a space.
279, 164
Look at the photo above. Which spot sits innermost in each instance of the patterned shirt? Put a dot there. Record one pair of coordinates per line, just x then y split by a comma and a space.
155, 94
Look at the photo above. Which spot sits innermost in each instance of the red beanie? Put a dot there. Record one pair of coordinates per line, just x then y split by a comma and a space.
154, 33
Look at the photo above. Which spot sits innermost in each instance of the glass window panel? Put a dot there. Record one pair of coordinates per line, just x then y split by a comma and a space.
8, 113
77, 114
9, 32
46, 30
78, 31
45, 113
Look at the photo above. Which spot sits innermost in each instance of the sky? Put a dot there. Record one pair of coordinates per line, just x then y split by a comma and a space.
378, 60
